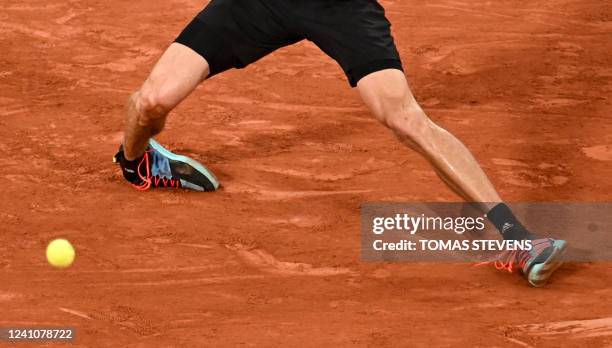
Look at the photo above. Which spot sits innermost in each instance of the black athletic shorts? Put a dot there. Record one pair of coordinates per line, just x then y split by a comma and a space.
236, 33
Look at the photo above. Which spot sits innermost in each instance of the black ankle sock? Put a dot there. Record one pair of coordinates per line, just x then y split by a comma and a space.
507, 224
129, 168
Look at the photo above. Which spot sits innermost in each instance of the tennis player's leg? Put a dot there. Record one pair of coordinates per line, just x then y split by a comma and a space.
177, 73
226, 34
358, 36
388, 96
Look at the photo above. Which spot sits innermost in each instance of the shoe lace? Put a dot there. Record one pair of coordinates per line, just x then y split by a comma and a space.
149, 180
511, 259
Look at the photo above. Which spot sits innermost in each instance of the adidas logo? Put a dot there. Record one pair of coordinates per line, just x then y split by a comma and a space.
506, 227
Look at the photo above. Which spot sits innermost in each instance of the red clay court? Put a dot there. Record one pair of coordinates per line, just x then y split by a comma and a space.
272, 259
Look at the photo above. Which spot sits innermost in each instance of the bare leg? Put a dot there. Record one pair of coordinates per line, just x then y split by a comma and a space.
177, 73
388, 96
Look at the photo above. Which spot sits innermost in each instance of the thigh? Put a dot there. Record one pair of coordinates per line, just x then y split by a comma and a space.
355, 33
235, 33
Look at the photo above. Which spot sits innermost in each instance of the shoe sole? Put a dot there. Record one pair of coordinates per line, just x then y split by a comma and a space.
187, 169
540, 273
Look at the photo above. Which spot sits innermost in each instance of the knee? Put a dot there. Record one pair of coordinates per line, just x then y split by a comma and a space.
406, 118
150, 104
149, 109
153, 100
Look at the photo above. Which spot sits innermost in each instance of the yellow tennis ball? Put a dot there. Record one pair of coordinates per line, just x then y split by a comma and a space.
60, 253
